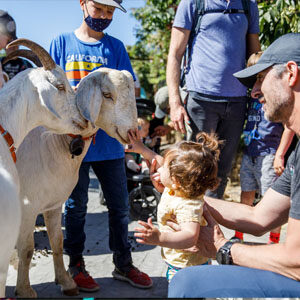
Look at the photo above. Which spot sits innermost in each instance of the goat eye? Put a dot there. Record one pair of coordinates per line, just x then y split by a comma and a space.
108, 96
61, 87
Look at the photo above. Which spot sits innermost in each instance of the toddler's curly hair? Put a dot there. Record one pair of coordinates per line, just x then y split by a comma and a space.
194, 165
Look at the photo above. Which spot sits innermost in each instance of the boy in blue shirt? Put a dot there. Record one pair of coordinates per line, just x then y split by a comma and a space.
78, 53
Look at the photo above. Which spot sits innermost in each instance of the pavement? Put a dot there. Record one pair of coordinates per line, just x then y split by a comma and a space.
98, 259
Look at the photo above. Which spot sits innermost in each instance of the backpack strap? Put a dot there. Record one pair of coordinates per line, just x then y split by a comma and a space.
200, 10
246, 8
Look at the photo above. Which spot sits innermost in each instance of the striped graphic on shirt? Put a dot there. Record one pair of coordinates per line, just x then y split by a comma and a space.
76, 70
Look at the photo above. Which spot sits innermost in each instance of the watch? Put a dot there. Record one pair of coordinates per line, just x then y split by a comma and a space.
224, 254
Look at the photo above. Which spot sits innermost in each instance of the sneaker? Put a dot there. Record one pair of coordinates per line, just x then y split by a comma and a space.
84, 281
235, 239
135, 277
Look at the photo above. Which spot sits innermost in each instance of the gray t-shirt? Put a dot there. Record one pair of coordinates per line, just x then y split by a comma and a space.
219, 49
288, 183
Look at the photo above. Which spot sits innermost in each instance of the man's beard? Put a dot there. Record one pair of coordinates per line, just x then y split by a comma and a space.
280, 109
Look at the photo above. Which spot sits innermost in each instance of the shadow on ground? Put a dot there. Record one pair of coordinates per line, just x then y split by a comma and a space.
94, 245
109, 288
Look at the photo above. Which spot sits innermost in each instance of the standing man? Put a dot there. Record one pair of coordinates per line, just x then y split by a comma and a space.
257, 270
217, 101
78, 53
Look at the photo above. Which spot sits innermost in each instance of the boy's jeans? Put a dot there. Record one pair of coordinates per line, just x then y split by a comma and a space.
112, 176
226, 119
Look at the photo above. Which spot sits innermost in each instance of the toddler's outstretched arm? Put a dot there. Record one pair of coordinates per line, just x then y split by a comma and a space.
183, 239
137, 146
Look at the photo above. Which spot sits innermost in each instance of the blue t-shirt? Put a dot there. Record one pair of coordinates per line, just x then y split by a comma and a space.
77, 59
219, 49
261, 136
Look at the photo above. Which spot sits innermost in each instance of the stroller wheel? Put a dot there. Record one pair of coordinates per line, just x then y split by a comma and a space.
143, 201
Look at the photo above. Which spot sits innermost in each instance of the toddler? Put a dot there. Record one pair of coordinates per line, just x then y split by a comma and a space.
187, 170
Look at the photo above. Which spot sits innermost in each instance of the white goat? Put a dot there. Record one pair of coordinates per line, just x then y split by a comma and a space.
39, 96
48, 174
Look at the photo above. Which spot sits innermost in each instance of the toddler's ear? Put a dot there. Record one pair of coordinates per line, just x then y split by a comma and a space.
174, 186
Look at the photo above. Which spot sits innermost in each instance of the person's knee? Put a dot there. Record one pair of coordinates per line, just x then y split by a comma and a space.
179, 284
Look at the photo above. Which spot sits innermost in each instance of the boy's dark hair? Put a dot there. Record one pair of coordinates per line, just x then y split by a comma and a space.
194, 165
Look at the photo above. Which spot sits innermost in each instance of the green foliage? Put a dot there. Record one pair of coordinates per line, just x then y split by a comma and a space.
278, 17
149, 54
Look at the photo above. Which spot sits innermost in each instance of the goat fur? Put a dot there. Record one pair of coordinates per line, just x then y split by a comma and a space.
48, 174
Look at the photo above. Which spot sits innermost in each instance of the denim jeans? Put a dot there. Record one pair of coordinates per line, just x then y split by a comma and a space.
231, 281
112, 177
226, 119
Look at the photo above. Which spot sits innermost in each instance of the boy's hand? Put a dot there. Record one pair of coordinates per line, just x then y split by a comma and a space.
136, 145
148, 235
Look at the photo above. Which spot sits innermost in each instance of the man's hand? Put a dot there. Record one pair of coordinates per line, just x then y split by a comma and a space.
179, 116
148, 235
155, 177
210, 239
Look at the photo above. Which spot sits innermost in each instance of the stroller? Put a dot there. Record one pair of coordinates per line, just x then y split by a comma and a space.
143, 197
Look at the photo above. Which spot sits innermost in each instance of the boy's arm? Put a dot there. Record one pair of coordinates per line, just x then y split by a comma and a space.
285, 142
183, 239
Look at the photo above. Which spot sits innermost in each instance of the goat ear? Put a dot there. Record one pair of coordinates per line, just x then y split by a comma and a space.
128, 75
47, 102
89, 98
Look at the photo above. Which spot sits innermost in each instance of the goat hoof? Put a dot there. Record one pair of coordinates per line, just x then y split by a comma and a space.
71, 292
29, 293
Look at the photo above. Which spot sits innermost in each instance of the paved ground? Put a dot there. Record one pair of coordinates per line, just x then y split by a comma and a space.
98, 259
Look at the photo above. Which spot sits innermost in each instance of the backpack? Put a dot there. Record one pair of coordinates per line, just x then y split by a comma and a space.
199, 13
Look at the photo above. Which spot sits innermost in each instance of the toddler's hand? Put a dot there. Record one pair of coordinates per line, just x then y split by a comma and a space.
136, 144
147, 235
155, 176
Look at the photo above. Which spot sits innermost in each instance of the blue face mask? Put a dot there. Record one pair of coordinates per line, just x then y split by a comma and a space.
97, 24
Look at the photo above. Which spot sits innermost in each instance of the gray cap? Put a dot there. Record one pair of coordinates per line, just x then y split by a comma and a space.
7, 24
285, 48
115, 3
161, 100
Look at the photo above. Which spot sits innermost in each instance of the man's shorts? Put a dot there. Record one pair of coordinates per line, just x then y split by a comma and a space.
257, 173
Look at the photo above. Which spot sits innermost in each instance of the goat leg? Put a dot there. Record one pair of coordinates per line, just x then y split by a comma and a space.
62, 277
25, 246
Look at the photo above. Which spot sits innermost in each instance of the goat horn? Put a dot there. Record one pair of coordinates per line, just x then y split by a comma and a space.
45, 58
23, 53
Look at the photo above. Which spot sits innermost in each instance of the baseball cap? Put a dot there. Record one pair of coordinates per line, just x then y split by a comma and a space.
161, 100
7, 24
285, 48
115, 3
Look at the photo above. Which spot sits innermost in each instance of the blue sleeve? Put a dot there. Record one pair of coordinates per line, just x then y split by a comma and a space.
54, 51
123, 62
254, 18
185, 14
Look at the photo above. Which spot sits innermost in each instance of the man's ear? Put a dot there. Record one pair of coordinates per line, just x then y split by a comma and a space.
293, 72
